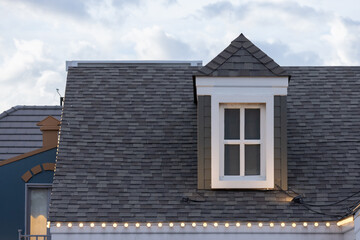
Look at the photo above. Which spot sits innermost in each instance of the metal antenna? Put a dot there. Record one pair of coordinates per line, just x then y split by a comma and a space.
57, 90
61, 98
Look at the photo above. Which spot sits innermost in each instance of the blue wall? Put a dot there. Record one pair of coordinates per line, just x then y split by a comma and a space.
12, 191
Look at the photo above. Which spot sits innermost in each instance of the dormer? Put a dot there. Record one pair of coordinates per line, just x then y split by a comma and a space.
241, 96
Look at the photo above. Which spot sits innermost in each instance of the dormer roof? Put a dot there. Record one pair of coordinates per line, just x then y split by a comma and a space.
242, 59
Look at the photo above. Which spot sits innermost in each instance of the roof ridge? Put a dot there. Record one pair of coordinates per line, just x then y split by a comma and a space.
257, 50
241, 42
7, 112
19, 107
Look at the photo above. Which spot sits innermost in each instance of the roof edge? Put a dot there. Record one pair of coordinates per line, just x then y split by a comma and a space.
25, 155
75, 63
18, 107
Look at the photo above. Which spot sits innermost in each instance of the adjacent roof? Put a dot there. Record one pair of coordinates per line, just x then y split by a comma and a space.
128, 148
18, 131
242, 58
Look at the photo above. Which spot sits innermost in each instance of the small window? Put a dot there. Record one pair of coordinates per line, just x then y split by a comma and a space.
242, 139
37, 208
242, 142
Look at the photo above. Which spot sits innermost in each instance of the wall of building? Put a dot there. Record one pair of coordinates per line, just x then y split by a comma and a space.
12, 189
200, 233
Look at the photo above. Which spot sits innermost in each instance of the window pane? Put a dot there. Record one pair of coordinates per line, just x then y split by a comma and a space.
232, 124
252, 159
232, 159
252, 123
38, 211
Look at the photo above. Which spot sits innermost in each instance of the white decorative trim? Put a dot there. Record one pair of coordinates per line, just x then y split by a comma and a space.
242, 82
204, 91
188, 227
241, 85
203, 230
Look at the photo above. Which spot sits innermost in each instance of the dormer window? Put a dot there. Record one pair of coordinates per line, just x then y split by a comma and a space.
243, 141
241, 98
242, 133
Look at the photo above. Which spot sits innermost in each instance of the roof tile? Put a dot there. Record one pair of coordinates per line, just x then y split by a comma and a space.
18, 131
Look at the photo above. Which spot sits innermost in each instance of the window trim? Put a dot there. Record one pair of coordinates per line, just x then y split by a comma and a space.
263, 181
242, 141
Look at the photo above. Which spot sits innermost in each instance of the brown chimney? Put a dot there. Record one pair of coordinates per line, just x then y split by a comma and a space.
50, 128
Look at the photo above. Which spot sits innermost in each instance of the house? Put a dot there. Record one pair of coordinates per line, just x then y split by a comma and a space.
28, 142
240, 148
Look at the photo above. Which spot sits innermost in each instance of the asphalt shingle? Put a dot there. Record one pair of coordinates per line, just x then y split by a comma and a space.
242, 59
128, 148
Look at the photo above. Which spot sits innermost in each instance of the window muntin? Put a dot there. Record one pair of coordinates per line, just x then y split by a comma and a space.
242, 146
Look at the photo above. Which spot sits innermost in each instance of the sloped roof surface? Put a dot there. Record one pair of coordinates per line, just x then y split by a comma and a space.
18, 131
128, 148
242, 58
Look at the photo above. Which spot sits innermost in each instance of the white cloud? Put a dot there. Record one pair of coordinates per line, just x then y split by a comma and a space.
344, 39
155, 44
49, 32
47, 83
28, 53
23, 80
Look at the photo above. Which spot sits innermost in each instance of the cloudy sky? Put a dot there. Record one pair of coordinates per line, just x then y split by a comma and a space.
38, 36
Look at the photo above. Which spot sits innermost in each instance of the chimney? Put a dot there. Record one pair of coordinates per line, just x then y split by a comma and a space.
50, 128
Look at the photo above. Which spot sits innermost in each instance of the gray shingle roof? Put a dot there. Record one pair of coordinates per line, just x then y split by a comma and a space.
18, 131
128, 148
242, 58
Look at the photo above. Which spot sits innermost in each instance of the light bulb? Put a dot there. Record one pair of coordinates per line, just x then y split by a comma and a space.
271, 224
282, 224
81, 225
92, 225
159, 225
204, 224
260, 224
69, 225
249, 225
126, 225
58, 225
293, 224
103, 225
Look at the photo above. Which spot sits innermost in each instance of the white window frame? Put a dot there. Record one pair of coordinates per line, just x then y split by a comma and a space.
242, 141
266, 178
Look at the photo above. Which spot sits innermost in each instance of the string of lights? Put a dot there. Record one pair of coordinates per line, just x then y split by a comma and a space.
197, 224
